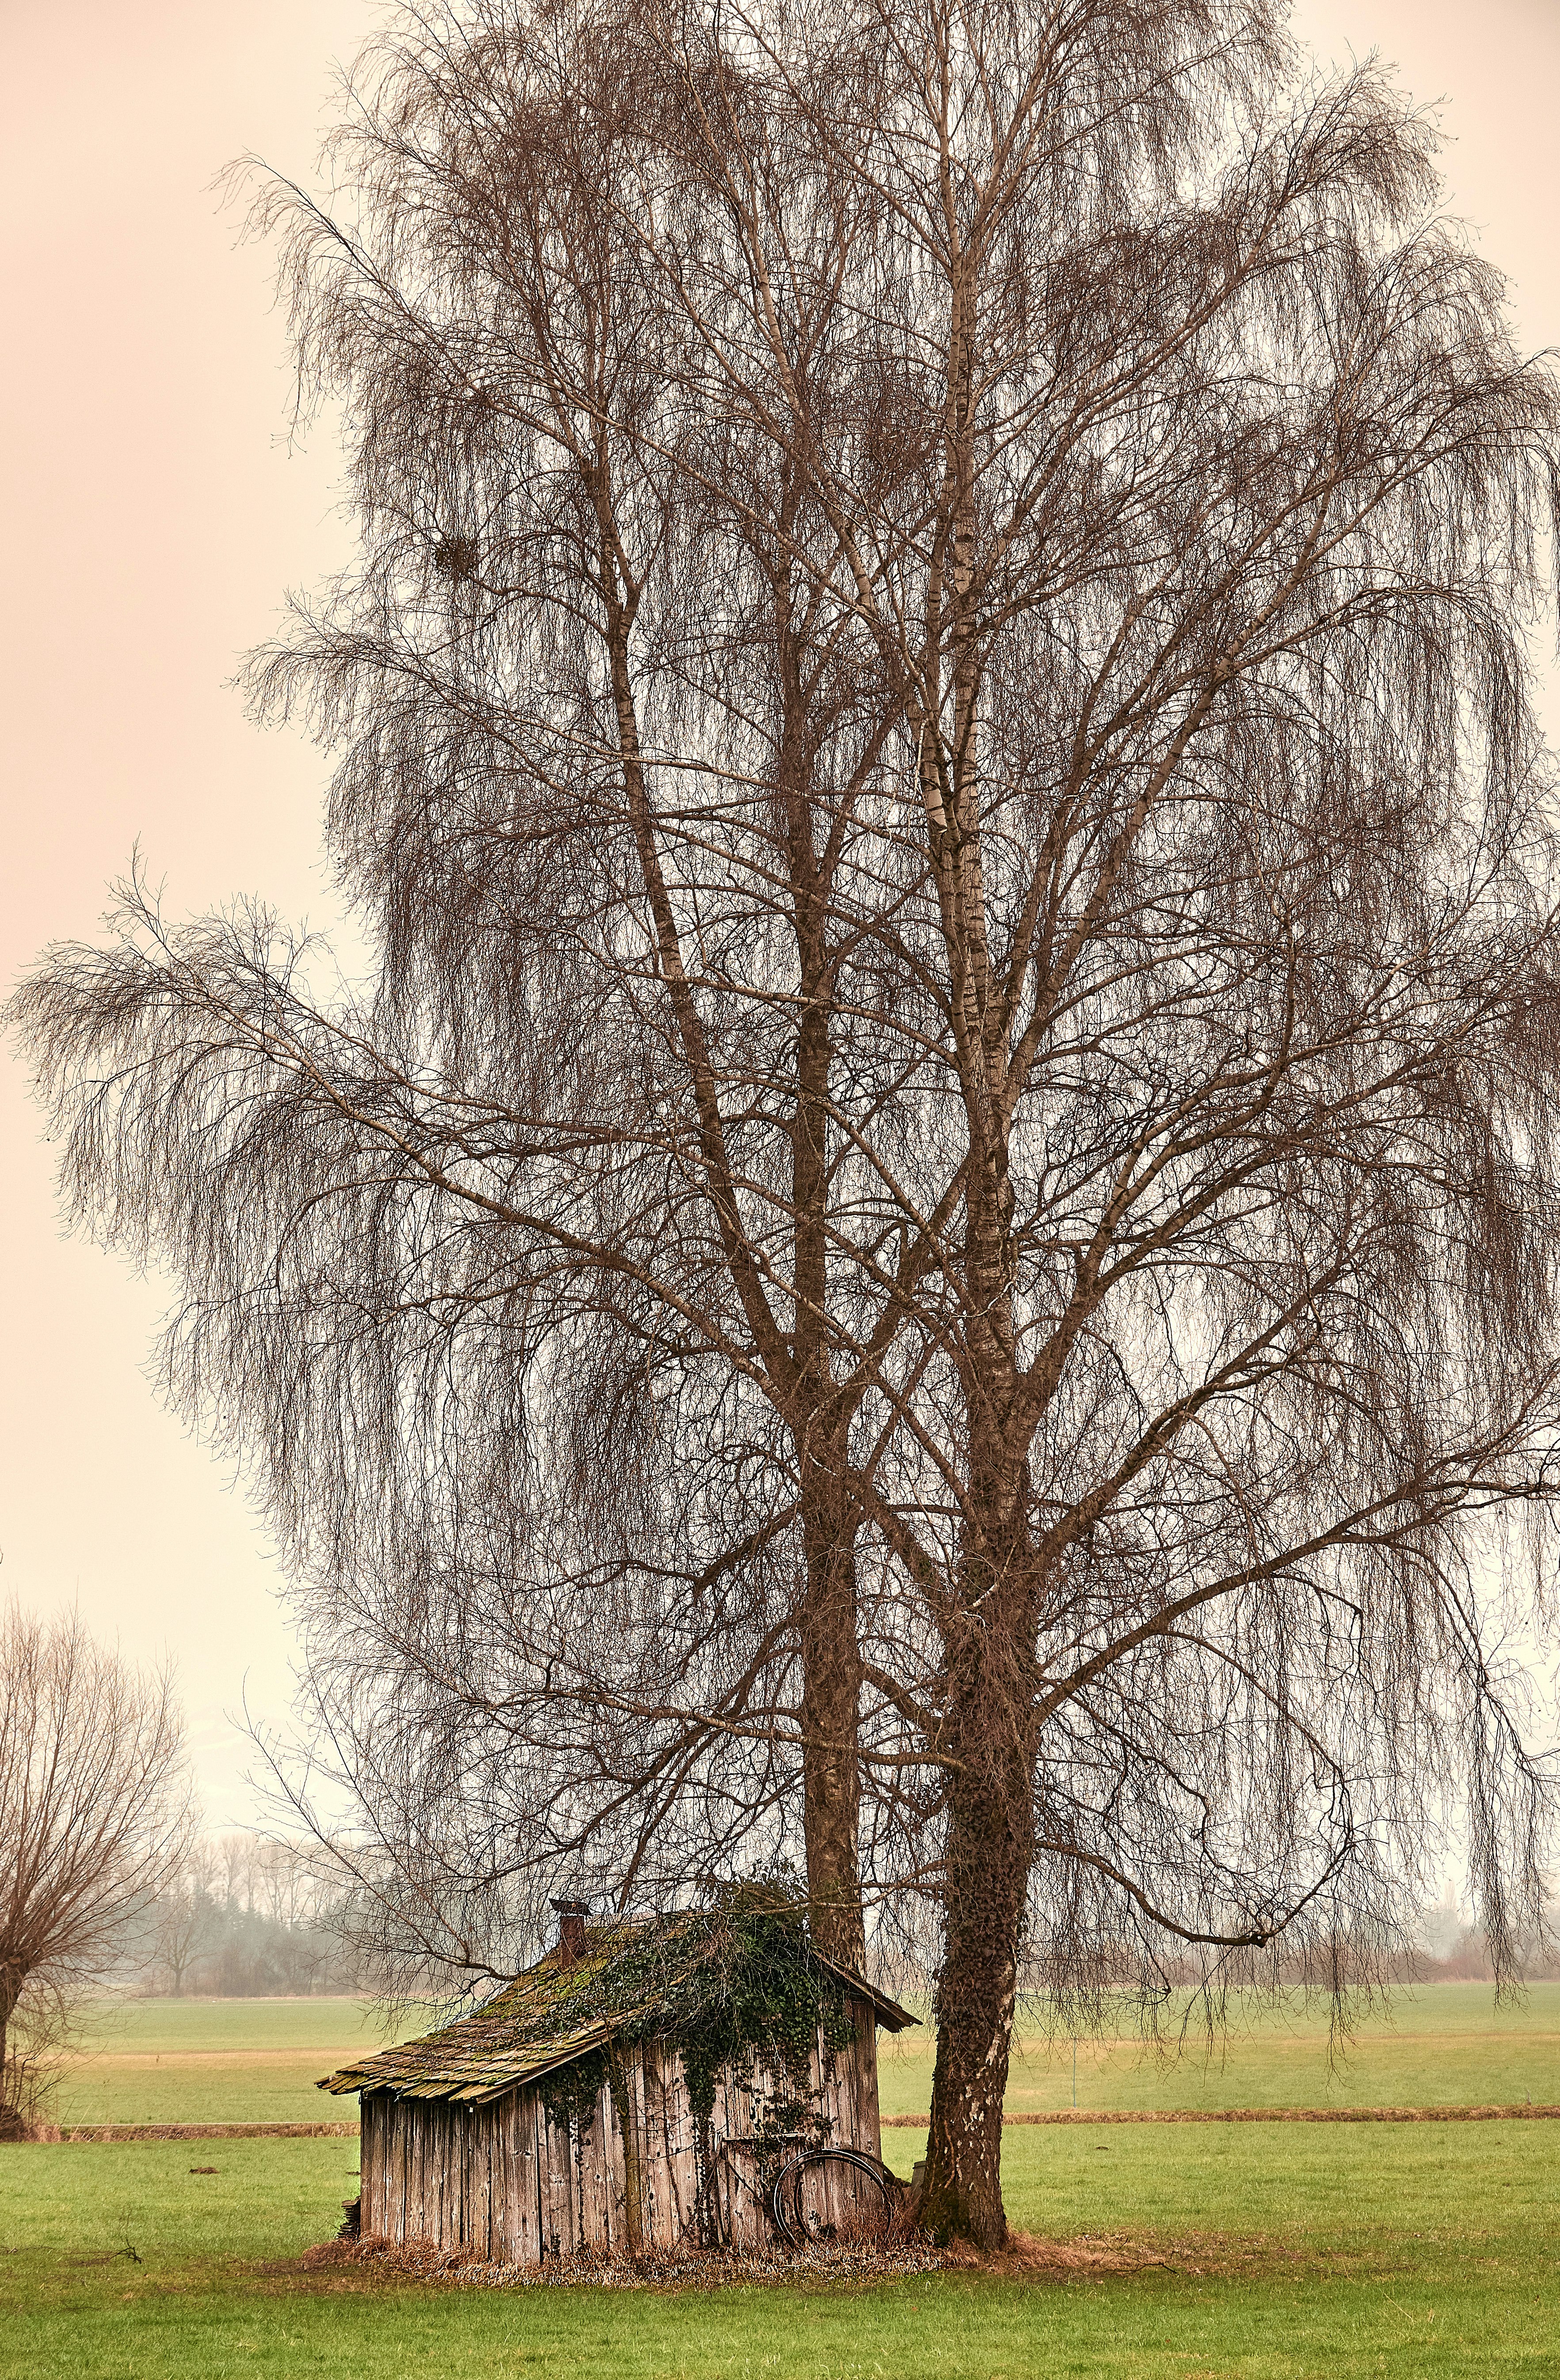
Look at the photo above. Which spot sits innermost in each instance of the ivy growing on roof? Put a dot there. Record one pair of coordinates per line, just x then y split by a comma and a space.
735, 1984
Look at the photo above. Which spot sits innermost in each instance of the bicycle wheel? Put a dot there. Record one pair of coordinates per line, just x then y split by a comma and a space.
831, 2194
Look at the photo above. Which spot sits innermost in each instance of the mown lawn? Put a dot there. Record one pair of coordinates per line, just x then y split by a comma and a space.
215, 2062
1283, 2250
257, 2061
1291, 2250
1445, 2045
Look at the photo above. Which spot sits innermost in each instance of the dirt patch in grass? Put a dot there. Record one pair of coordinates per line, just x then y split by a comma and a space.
350, 2263
196, 2132
826, 2263
1086, 2116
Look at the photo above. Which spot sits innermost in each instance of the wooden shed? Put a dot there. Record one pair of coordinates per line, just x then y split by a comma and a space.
639, 2089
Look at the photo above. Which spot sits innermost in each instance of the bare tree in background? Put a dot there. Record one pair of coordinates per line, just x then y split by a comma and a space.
94, 1815
947, 1182
180, 1929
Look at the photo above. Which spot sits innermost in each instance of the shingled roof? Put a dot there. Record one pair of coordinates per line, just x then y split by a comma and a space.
561, 2009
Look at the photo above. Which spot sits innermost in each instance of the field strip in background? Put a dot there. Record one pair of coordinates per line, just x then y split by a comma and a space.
1522, 2113
1263, 2116
204, 2132
295, 2053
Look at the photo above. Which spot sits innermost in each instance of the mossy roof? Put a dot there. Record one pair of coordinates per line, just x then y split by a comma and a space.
557, 2012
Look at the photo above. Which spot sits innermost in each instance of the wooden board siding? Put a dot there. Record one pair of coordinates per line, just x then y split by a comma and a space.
506, 2182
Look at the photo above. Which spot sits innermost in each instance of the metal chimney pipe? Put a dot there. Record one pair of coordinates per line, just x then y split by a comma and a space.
571, 1930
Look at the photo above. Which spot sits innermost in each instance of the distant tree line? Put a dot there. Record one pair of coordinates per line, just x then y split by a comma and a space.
245, 1917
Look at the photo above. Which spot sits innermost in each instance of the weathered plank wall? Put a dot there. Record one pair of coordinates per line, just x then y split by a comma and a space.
511, 2185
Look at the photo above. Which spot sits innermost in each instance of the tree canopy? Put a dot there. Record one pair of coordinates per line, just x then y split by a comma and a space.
934, 1238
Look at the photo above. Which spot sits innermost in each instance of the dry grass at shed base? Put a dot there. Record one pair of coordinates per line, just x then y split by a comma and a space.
833, 2261
863, 2264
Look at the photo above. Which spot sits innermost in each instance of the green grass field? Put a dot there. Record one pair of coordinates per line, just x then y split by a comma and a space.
257, 2061
1446, 2045
1197, 2252
215, 2062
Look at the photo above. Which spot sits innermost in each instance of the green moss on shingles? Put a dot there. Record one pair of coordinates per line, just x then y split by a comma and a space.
732, 1985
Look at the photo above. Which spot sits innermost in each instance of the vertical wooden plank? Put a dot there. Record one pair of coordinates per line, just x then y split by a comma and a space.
508, 2219
374, 2165
524, 2227
587, 2179
417, 2168
869, 2112
743, 2214
595, 2176
823, 2196
555, 2155
671, 2213
622, 2161
612, 2170
365, 2165
389, 2208
726, 2120
483, 2134
526, 2233
510, 2232
681, 2151
503, 2179
536, 2136
659, 2229
718, 2179
638, 2176
519, 2212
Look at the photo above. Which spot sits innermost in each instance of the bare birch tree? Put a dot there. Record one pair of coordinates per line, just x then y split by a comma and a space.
946, 1186
1205, 599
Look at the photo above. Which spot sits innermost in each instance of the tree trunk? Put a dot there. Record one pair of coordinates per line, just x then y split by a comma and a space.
831, 1690
989, 1855
990, 1852
10, 1992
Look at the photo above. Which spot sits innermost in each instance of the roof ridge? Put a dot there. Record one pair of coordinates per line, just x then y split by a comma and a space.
493, 2049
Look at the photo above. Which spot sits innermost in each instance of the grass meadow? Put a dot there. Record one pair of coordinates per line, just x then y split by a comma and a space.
1184, 2253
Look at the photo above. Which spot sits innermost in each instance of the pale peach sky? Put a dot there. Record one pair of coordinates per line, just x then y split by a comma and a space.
154, 515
